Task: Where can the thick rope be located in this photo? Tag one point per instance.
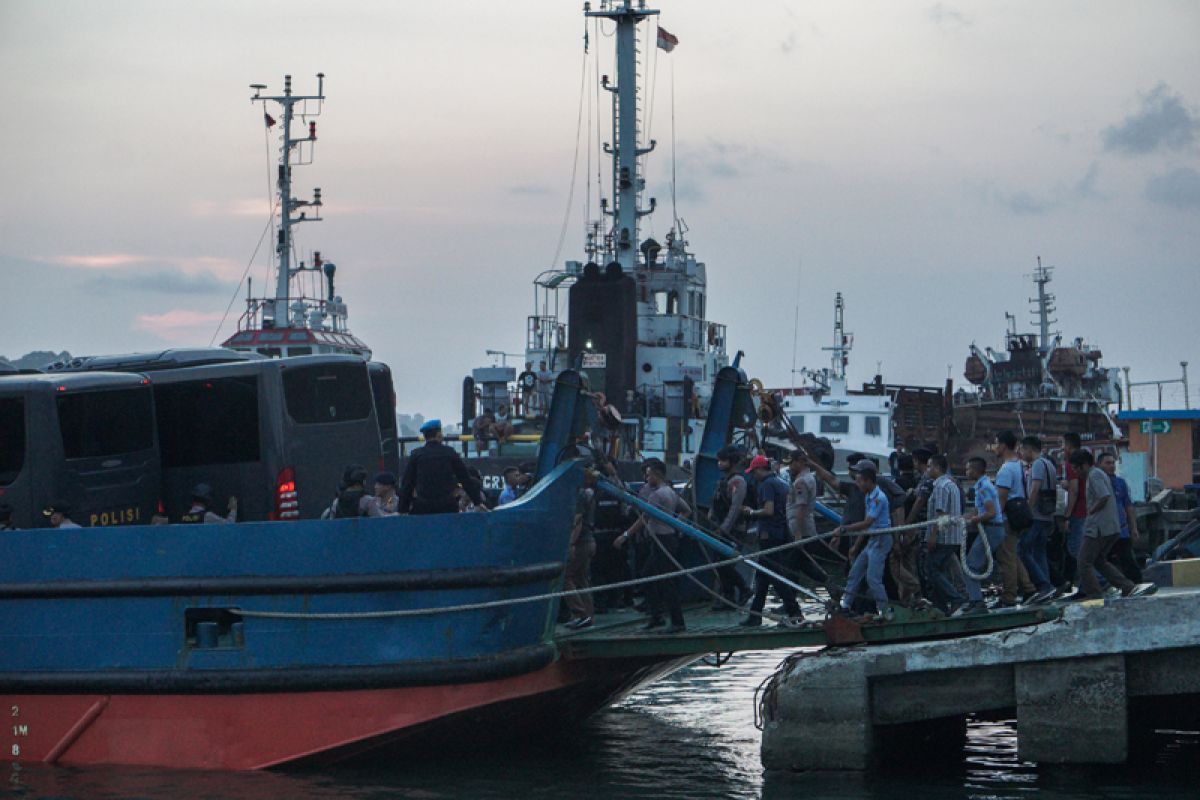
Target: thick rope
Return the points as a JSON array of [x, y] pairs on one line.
[[540, 598]]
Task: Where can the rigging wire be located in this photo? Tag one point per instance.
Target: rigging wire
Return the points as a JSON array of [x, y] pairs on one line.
[[562, 233], [674, 205], [273, 203]]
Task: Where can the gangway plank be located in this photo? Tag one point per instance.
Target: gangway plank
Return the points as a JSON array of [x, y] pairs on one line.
[[622, 635]]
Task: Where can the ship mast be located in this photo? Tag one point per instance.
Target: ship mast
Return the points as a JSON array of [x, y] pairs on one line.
[[842, 342], [627, 184], [1045, 306], [277, 313]]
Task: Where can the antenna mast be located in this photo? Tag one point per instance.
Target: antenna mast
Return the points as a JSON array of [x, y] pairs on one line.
[[278, 311], [627, 184], [1045, 305], [842, 342]]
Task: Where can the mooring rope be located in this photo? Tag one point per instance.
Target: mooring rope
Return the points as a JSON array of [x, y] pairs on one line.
[[941, 522]]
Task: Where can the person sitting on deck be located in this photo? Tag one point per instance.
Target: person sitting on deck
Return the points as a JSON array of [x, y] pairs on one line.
[[202, 499], [59, 515]]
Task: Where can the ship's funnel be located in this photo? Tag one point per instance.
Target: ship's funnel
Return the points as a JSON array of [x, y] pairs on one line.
[[329, 269], [650, 249]]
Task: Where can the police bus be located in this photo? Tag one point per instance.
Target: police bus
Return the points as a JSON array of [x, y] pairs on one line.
[[87, 440]]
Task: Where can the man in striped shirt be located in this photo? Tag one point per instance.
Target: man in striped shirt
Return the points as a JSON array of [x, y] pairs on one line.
[[942, 544]]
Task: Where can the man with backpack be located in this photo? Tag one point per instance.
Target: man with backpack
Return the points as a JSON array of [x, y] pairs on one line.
[[1010, 484], [1042, 495]]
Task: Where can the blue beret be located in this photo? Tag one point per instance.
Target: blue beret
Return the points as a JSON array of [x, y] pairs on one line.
[[431, 425]]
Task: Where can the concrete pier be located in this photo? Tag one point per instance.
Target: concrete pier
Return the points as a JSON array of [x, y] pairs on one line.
[[1073, 685]]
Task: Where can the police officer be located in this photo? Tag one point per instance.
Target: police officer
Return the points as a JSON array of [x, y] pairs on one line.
[[198, 514], [725, 512], [386, 500], [352, 499], [60, 515], [6, 523], [432, 476]]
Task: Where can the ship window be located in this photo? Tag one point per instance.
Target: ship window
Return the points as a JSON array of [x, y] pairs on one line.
[[106, 423], [835, 424], [269, 352], [298, 336], [299, 351], [12, 438], [208, 421], [270, 337], [873, 426], [327, 393], [798, 423]]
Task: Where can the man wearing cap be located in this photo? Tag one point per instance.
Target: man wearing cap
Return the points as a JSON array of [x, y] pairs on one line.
[[869, 557], [725, 511], [59, 515], [202, 498], [772, 532], [352, 499], [432, 476]]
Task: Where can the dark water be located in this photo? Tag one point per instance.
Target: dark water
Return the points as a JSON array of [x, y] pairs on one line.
[[691, 735]]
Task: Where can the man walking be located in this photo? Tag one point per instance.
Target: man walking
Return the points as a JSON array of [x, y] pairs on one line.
[[663, 595], [1102, 527], [802, 525], [942, 545], [583, 549], [1010, 484], [1076, 509], [869, 557], [725, 512], [1042, 496], [771, 515], [1122, 552]]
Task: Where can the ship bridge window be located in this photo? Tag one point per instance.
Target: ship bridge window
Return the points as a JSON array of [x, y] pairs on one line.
[[208, 422], [874, 426], [798, 423], [299, 351], [835, 424], [327, 393], [106, 423], [12, 438]]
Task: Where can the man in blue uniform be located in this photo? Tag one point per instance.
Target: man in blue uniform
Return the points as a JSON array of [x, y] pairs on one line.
[[870, 557], [433, 474]]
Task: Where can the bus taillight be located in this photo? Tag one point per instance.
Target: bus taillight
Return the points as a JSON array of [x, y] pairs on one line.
[[287, 501]]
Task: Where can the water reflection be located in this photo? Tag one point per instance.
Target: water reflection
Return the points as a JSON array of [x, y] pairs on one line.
[[688, 736]]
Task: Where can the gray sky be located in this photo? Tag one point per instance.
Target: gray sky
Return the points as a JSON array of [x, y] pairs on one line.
[[916, 156]]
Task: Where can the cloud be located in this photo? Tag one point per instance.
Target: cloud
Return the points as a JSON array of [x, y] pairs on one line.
[[1026, 203], [724, 160], [161, 281], [788, 44], [528, 189], [1162, 123], [148, 267], [1085, 187], [179, 326], [242, 207], [948, 18], [1179, 188]]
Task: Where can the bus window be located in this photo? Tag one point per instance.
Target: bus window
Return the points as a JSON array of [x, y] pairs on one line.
[[327, 393], [107, 423], [12, 438], [208, 421]]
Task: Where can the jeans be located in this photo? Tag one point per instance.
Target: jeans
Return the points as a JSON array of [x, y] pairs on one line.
[[869, 567], [994, 536], [1032, 550], [937, 571], [1074, 541], [1122, 556], [663, 595], [763, 583]]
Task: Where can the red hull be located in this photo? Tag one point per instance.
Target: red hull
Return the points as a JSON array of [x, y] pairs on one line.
[[257, 731]]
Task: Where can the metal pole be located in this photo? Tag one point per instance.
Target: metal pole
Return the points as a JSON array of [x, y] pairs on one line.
[[690, 531], [1186, 400]]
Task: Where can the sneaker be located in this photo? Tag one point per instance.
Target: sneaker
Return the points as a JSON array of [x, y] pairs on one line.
[[796, 621], [655, 622], [1042, 597], [582, 622], [1077, 597], [977, 607], [750, 622], [1143, 589]]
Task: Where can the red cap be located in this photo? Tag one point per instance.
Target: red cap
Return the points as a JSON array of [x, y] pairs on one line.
[[759, 462]]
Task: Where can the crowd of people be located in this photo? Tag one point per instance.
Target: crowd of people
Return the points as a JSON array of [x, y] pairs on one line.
[[1038, 531]]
